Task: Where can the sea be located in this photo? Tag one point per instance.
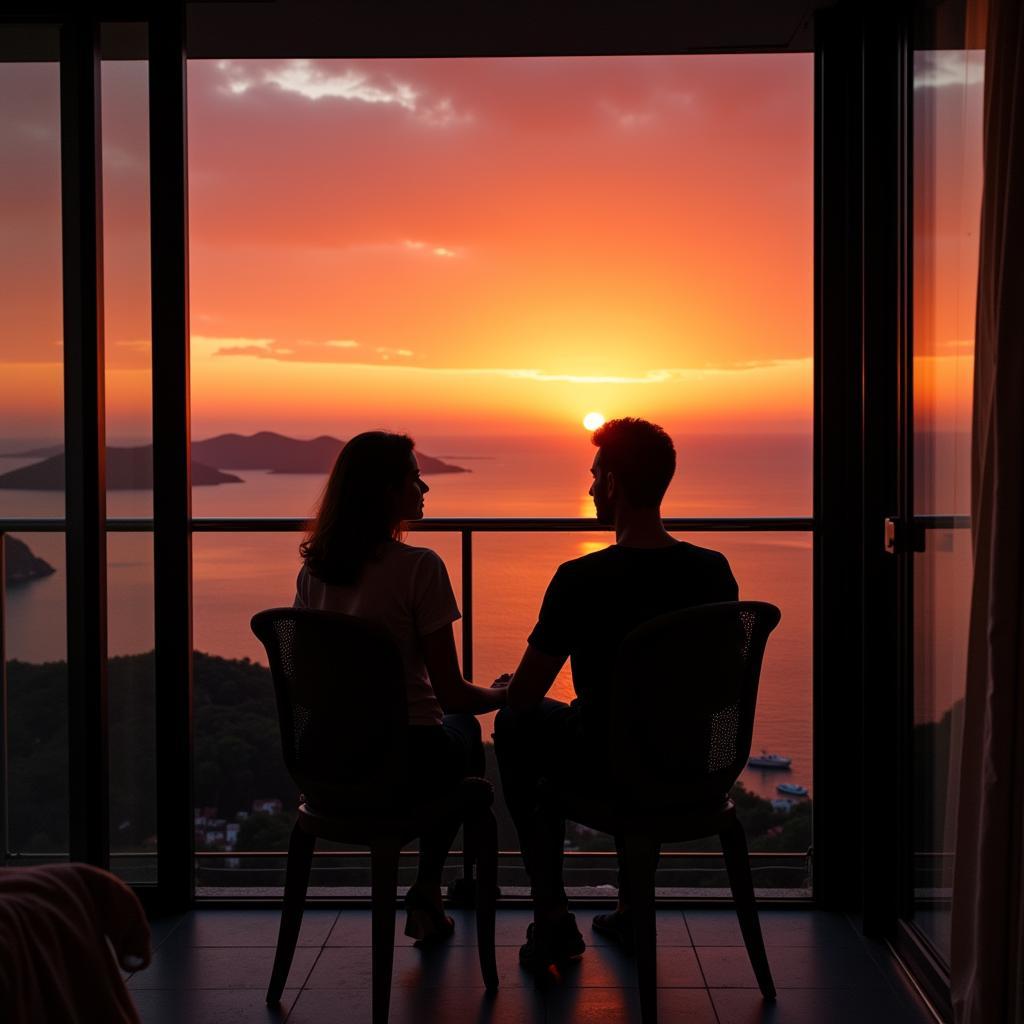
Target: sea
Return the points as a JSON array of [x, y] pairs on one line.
[[238, 574]]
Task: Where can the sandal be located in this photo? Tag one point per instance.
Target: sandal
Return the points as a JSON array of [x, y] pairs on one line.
[[424, 922]]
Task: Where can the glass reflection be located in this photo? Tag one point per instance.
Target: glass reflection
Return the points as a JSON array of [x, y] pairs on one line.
[[948, 95]]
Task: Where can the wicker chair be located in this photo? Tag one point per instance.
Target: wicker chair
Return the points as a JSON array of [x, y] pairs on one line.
[[682, 718], [342, 711]]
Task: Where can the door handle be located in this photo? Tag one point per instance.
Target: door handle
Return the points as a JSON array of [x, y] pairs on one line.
[[902, 536]]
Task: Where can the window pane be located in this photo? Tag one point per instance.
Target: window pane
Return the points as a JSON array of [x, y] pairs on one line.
[[129, 469], [511, 572], [948, 95], [37, 695], [245, 802], [941, 609], [34, 775], [31, 336], [131, 706], [129, 387], [481, 252]]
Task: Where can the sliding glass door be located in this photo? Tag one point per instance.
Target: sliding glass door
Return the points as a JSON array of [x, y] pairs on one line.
[[948, 73]]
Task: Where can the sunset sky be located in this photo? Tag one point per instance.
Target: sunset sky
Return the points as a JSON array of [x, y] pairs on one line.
[[442, 246]]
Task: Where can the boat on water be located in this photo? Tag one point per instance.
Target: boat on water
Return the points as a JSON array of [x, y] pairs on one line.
[[791, 789], [766, 760]]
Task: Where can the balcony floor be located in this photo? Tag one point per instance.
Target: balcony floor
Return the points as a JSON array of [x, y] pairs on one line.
[[212, 967]]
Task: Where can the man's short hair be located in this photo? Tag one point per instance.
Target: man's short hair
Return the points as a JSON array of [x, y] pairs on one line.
[[642, 457]]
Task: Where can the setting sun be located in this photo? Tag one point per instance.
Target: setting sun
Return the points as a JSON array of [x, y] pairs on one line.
[[593, 420]]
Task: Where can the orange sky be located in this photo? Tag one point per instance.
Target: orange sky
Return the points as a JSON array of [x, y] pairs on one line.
[[496, 246]]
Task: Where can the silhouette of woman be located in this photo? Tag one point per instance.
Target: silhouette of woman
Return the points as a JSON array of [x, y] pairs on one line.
[[355, 562]]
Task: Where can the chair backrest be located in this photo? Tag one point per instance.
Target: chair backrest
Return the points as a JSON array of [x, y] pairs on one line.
[[684, 698], [341, 704]]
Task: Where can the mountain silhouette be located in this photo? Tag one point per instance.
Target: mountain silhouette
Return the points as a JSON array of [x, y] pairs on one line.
[[128, 469], [280, 454]]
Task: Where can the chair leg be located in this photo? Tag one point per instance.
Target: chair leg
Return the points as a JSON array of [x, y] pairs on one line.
[[737, 863], [641, 855], [383, 880], [462, 891], [296, 881], [482, 832]]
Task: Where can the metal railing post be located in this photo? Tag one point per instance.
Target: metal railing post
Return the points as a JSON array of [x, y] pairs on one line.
[[467, 603]]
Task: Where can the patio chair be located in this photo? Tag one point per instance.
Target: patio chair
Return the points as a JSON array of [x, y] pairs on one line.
[[341, 706], [682, 718]]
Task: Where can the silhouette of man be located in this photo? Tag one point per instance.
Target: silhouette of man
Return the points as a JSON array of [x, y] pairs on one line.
[[590, 605]]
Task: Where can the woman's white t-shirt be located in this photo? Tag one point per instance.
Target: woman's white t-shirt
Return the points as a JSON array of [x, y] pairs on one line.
[[407, 591]]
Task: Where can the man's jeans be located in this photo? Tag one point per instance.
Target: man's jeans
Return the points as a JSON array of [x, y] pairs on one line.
[[545, 742]]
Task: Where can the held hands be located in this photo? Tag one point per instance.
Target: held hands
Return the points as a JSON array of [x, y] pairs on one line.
[[501, 686]]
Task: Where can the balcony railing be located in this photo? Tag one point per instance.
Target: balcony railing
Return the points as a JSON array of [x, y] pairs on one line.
[[466, 528]]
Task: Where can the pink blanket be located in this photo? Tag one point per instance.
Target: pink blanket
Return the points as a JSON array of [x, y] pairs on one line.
[[55, 963]]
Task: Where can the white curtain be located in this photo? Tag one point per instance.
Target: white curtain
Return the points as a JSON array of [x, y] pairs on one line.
[[988, 890]]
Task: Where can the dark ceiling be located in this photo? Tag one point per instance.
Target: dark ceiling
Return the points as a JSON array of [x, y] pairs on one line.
[[319, 28]]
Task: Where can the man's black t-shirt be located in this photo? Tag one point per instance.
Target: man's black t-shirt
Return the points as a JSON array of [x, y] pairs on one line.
[[592, 603]]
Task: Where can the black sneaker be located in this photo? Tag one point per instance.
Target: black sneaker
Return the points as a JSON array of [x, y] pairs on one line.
[[555, 943], [616, 927]]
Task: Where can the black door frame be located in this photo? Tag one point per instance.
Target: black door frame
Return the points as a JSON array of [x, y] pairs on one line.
[[861, 395]]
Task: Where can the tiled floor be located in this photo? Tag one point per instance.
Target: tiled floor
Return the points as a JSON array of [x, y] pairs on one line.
[[212, 967]]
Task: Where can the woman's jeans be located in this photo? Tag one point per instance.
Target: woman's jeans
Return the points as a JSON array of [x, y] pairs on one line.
[[440, 757]]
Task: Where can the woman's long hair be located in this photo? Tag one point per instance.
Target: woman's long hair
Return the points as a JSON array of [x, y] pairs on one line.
[[359, 508]]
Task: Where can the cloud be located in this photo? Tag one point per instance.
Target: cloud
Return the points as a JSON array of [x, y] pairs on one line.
[[304, 78], [442, 113], [352, 353], [121, 158], [965, 345], [662, 101], [31, 130], [260, 351], [631, 119], [403, 247], [428, 247], [650, 377], [934, 69], [662, 376], [35, 354], [335, 350], [349, 84]]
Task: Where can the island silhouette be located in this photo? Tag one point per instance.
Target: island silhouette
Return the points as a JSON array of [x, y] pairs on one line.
[[132, 468], [277, 453], [128, 469], [20, 565]]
